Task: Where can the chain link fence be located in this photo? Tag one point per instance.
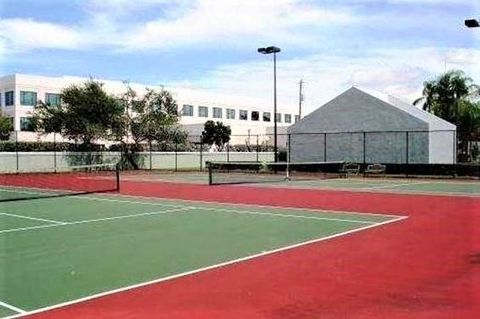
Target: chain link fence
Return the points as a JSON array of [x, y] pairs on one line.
[[386, 147]]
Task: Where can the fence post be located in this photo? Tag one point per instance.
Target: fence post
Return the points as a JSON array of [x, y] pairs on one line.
[[228, 151], [16, 151], [150, 150], [364, 153], [176, 154], [455, 153], [201, 155], [55, 152], [364, 148], [406, 153], [258, 150], [289, 149], [454, 135], [324, 147]]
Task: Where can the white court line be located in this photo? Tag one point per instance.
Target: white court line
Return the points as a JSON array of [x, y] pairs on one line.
[[14, 230], [33, 218], [397, 185], [289, 215], [180, 208], [203, 202], [195, 271], [16, 309]]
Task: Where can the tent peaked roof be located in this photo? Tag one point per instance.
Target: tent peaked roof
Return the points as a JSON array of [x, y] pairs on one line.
[[435, 123]]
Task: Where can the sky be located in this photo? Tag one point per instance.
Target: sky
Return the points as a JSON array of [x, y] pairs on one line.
[[391, 46]]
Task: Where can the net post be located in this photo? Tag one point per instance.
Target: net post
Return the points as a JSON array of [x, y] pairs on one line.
[[117, 176]]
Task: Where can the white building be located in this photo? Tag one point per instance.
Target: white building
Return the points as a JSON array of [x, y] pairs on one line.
[[367, 126], [19, 93]]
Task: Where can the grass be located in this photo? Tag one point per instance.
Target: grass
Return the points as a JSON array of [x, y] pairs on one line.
[[56, 250]]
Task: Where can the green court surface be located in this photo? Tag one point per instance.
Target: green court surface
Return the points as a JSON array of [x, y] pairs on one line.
[[415, 186], [60, 249], [376, 184]]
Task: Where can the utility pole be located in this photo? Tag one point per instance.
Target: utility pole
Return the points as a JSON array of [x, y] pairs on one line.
[[300, 98]]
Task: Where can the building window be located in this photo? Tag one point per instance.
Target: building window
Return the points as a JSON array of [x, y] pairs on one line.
[[217, 112], [187, 110], [52, 99], [297, 118], [288, 118], [9, 98], [26, 124], [28, 98], [243, 115], [255, 116], [278, 117], [266, 116], [203, 111], [230, 114]]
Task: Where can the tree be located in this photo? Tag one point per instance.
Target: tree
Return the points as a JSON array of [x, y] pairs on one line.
[[445, 96], [87, 113], [454, 97], [216, 133], [6, 127], [151, 118]]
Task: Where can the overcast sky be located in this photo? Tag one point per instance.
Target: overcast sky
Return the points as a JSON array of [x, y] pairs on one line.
[[391, 46]]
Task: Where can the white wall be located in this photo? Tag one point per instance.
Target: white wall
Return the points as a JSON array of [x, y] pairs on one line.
[[442, 147]]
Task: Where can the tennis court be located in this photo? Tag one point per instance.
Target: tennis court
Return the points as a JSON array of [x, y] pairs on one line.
[[141, 243], [59, 250], [416, 185]]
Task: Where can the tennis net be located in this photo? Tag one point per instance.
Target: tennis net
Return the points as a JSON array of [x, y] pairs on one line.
[[61, 181], [257, 172]]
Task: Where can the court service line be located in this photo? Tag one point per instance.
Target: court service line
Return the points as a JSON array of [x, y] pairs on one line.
[[33, 218], [287, 215], [16, 309], [397, 185], [214, 203], [198, 270], [93, 220]]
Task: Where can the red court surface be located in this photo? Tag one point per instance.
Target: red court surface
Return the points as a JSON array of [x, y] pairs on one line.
[[427, 266]]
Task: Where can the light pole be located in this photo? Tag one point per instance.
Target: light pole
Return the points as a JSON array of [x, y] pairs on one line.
[[274, 50], [472, 23]]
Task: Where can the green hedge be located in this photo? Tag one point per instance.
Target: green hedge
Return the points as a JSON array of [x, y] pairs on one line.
[[9, 146]]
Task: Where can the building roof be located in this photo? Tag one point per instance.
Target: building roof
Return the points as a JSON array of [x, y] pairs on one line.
[[435, 122], [362, 98]]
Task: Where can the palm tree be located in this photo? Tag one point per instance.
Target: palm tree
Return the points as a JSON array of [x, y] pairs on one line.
[[454, 97], [444, 95]]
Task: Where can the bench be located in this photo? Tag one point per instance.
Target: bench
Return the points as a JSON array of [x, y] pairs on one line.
[[375, 169], [349, 169]]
